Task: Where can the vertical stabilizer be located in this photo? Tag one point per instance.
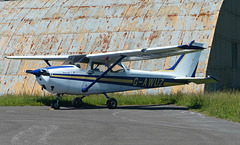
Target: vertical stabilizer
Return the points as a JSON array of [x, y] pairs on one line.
[[187, 64]]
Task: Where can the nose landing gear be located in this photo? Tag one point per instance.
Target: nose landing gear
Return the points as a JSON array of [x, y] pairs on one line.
[[55, 103]]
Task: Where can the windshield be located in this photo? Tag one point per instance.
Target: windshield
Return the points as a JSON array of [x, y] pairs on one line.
[[102, 68]]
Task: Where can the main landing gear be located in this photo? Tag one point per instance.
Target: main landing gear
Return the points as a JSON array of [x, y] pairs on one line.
[[111, 102], [77, 102]]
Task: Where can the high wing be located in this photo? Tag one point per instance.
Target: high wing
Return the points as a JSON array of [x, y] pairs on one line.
[[129, 55], [146, 53]]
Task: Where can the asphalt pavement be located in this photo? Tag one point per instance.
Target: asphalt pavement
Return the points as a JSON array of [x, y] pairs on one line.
[[127, 125]]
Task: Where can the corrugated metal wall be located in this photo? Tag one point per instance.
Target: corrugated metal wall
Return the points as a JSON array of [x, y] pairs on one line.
[[224, 62], [43, 27]]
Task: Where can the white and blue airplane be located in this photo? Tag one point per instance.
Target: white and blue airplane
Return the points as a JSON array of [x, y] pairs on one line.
[[105, 73]]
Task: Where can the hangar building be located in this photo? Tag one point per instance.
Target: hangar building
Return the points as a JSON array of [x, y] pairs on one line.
[[58, 27]]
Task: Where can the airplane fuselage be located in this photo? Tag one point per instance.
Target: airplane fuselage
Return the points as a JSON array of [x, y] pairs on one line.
[[70, 79]]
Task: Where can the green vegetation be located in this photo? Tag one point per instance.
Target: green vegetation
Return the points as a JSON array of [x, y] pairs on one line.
[[225, 104]]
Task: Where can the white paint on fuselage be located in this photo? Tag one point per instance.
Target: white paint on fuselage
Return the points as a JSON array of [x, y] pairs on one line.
[[70, 86]]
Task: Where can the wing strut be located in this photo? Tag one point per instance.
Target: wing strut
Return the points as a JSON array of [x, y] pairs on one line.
[[115, 63], [47, 62]]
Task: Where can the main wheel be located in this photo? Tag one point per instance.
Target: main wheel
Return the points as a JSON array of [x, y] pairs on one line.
[[77, 102], [55, 104], [112, 103]]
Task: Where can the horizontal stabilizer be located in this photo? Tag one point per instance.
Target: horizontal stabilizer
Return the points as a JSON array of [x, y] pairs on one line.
[[198, 80]]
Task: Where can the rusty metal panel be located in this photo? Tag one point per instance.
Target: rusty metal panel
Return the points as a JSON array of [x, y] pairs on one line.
[[55, 27]]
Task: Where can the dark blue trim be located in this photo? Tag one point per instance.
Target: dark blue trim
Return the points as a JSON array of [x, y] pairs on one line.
[[35, 72], [140, 80], [176, 64], [94, 76], [113, 77], [47, 63], [194, 72], [211, 77], [190, 47], [191, 43], [90, 80], [55, 67]]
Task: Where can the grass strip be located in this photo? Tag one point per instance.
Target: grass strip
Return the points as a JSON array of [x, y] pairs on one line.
[[224, 104]]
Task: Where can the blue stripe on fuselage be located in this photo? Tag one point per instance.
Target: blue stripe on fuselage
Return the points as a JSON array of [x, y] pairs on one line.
[[120, 80], [55, 67]]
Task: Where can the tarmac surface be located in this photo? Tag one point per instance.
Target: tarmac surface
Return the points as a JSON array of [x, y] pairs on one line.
[[140, 125]]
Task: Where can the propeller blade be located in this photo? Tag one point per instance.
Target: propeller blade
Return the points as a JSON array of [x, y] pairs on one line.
[[34, 72], [38, 72]]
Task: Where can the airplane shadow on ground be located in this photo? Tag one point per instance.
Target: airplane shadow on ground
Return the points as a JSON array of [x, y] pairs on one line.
[[132, 107], [67, 105]]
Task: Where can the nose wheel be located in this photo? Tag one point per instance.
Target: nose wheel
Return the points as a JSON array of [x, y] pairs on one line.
[[55, 103]]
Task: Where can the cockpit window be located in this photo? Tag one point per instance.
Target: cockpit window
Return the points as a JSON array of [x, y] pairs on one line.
[[118, 68]]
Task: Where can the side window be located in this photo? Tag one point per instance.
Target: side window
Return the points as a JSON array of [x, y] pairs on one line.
[[102, 68], [99, 67], [117, 68], [81, 65]]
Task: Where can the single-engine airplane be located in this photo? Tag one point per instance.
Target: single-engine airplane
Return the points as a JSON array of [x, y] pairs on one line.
[[105, 73]]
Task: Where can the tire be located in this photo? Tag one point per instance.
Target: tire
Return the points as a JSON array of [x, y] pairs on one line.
[[77, 102], [112, 103], [55, 105]]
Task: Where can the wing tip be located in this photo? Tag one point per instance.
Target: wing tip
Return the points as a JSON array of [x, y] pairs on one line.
[[7, 57], [193, 45]]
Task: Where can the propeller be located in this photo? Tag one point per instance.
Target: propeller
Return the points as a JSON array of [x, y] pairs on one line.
[[38, 72]]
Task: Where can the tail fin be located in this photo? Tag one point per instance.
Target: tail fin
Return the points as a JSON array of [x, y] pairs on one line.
[[187, 64]]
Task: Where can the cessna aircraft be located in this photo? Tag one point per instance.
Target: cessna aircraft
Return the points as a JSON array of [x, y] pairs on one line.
[[105, 73]]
